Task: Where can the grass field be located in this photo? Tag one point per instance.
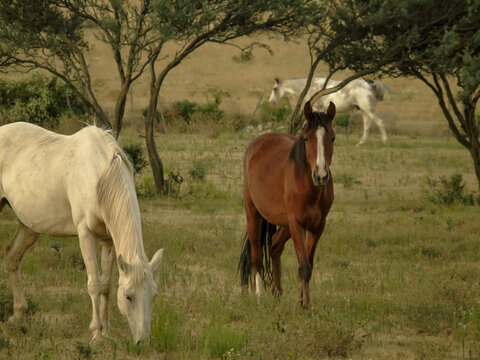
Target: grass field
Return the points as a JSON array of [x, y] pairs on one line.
[[396, 276]]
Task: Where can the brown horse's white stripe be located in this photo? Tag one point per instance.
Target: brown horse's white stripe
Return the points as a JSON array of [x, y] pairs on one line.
[[321, 168]]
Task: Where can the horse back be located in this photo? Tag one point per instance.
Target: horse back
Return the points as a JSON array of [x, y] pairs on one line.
[[48, 179]]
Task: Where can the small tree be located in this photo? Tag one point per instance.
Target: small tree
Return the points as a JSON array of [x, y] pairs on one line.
[[192, 24], [50, 35]]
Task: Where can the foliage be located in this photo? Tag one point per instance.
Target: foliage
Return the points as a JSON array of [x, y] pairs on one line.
[[435, 42], [448, 192], [136, 156], [38, 100]]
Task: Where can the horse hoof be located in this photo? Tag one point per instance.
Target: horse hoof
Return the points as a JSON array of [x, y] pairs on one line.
[[96, 339]]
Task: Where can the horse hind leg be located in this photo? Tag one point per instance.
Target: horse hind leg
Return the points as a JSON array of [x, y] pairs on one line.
[[379, 122], [366, 127], [23, 239], [278, 245]]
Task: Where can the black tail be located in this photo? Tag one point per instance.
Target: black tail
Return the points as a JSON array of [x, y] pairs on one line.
[[245, 263]]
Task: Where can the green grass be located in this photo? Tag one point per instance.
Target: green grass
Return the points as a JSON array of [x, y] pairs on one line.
[[395, 275]]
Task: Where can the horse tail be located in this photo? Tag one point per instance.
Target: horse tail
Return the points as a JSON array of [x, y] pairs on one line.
[[245, 264], [382, 92]]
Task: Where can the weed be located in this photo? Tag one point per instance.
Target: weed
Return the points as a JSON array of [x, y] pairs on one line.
[[85, 352], [347, 180], [173, 183], [448, 192], [198, 170]]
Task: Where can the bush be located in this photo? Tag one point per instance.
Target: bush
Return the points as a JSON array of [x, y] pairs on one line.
[[136, 156], [447, 192], [38, 100], [183, 114]]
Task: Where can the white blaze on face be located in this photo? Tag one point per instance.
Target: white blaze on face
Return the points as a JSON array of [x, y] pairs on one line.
[[321, 168]]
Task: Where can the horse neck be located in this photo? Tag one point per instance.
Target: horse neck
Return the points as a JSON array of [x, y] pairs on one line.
[[118, 201]]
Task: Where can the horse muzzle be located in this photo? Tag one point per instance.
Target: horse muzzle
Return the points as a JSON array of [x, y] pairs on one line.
[[319, 180]]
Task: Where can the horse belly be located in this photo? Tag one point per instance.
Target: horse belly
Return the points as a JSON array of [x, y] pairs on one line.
[[39, 202]]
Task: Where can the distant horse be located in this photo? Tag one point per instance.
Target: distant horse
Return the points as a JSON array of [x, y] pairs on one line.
[[287, 183], [356, 95], [79, 185]]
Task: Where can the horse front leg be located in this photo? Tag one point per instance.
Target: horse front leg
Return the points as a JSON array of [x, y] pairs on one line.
[[23, 239], [94, 284], [108, 259], [304, 268]]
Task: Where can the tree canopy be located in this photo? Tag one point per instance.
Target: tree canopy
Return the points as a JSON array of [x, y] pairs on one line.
[[437, 42]]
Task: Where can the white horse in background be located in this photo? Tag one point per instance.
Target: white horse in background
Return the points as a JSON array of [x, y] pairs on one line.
[[79, 185], [356, 95]]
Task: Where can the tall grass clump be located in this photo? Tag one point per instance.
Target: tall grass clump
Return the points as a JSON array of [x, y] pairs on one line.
[[223, 342], [166, 328]]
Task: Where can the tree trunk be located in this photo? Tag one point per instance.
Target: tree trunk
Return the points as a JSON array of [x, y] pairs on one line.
[[120, 109], [155, 160]]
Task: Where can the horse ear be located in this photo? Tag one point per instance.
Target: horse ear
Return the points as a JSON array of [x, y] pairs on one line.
[[307, 111], [277, 80], [156, 259], [122, 264], [331, 111]]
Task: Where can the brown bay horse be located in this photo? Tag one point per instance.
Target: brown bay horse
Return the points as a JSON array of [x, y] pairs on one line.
[[288, 192]]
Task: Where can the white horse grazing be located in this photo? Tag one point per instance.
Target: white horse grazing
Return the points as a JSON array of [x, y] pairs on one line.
[[79, 185], [356, 95]]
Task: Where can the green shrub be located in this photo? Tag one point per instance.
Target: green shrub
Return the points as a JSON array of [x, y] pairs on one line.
[[276, 115], [190, 112], [448, 192], [38, 100], [137, 158]]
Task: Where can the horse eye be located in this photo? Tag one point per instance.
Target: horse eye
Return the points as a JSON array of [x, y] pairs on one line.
[[305, 139], [333, 140], [129, 298]]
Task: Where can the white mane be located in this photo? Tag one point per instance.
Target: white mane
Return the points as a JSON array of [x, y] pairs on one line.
[[117, 201]]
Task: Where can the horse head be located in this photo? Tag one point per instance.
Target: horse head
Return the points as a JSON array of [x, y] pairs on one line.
[[319, 137], [277, 93], [136, 292]]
